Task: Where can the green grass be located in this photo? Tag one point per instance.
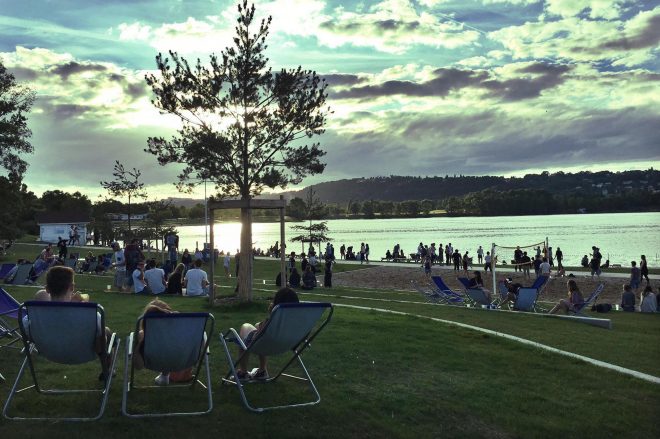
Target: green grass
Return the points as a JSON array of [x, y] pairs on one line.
[[383, 375]]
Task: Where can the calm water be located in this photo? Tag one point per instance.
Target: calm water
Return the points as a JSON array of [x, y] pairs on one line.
[[621, 237]]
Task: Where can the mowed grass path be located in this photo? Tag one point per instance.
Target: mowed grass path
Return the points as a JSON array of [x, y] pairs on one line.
[[383, 375]]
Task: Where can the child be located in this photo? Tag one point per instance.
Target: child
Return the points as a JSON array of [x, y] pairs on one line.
[[248, 333], [635, 276], [628, 299]]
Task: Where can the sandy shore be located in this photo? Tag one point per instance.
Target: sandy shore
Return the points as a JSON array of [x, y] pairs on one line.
[[398, 278]]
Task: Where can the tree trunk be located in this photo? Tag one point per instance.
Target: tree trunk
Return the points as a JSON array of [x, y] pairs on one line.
[[245, 265]]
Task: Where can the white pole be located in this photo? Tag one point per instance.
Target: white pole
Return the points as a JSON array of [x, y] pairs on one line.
[[206, 215]]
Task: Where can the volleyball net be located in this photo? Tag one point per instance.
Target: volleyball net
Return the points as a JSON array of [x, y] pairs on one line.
[[505, 255]]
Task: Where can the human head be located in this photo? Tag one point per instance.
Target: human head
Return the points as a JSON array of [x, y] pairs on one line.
[[157, 306], [648, 289], [627, 287], [179, 268], [198, 263], [633, 263], [572, 286], [285, 295], [59, 282], [477, 275], [545, 259], [140, 265], [643, 257], [151, 264]]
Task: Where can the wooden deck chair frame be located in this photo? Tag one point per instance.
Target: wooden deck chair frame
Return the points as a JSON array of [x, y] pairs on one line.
[[73, 344], [591, 300], [171, 332], [297, 348]]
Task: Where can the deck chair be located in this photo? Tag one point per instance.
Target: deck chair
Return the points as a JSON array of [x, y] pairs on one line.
[[92, 266], [21, 276], [429, 296], [64, 333], [526, 300], [450, 296], [478, 296], [8, 311], [172, 342], [540, 283], [5, 269], [590, 301], [465, 282], [290, 328], [71, 263]]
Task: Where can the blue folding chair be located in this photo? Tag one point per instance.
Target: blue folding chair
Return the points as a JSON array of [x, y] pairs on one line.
[[291, 327], [429, 296], [450, 296], [21, 275], [64, 333], [478, 297], [578, 310], [8, 310], [5, 269], [172, 342], [526, 300]]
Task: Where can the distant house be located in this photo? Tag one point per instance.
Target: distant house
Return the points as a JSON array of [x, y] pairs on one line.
[[57, 224], [124, 216]]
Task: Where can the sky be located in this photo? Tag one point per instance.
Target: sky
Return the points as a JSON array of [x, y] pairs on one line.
[[417, 87]]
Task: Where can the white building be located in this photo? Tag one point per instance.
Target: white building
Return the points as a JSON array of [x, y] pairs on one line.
[[55, 225]]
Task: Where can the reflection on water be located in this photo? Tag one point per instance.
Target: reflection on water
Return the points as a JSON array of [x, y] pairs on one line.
[[621, 237]]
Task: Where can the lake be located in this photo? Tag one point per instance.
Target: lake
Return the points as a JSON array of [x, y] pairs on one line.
[[622, 237]]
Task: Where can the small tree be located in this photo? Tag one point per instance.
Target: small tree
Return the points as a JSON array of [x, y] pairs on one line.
[[126, 183], [15, 102], [243, 125], [313, 209]]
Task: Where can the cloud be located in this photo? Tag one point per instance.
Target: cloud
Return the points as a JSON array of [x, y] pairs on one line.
[[607, 9], [531, 81]]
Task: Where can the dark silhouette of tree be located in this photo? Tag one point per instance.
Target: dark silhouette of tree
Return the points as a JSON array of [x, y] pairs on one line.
[[244, 126], [126, 183], [15, 102], [313, 209]]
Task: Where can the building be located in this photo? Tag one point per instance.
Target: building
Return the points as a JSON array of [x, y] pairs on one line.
[[53, 225]]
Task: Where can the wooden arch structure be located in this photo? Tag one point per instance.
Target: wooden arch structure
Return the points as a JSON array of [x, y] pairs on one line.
[[243, 204]]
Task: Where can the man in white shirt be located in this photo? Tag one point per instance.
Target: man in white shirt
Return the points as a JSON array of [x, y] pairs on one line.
[[139, 284], [155, 278], [545, 267], [196, 281]]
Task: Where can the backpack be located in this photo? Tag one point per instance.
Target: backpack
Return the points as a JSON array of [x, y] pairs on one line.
[[602, 307]]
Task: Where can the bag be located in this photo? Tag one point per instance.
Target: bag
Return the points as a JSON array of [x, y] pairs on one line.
[[602, 307]]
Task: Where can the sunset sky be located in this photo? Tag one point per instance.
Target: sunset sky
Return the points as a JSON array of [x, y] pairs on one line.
[[422, 87]]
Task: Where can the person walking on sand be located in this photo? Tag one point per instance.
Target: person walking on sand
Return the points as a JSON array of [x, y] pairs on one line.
[[644, 270], [480, 255]]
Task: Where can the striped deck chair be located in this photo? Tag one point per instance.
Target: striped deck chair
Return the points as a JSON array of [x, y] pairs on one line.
[[64, 333], [526, 300], [591, 300], [172, 342], [451, 296], [290, 329]]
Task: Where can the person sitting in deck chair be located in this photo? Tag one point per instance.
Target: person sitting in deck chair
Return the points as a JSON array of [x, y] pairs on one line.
[[249, 331], [477, 282], [575, 299], [512, 291], [60, 288]]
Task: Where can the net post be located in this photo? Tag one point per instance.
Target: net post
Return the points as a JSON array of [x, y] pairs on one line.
[[492, 267]]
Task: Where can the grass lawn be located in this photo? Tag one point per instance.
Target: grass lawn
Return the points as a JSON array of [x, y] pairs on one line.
[[383, 375]]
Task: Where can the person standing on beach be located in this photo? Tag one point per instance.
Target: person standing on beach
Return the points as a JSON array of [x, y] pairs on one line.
[[449, 251], [480, 254], [466, 262], [487, 265], [559, 256], [342, 251], [635, 276], [226, 263], [644, 269], [366, 253], [457, 260]]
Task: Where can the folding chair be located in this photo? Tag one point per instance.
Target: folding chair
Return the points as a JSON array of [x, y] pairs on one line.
[[172, 342], [478, 296], [9, 310], [577, 310], [5, 269], [450, 296], [540, 283], [71, 263], [465, 282], [65, 333], [526, 300], [291, 327], [429, 296], [21, 275]]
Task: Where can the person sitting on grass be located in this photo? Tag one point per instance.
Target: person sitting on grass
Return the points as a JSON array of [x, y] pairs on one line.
[[196, 280], [628, 299], [248, 333], [294, 278], [60, 288], [155, 278], [139, 283], [100, 268], [175, 281], [575, 299], [648, 301], [309, 279]]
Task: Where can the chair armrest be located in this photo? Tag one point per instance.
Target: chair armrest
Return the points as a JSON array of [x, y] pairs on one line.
[[129, 343], [232, 335], [111, 343]]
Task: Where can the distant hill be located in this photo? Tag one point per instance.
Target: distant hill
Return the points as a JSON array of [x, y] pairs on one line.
[[402, 188], [184, 202]]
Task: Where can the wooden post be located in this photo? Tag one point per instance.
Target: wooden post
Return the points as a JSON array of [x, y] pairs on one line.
[[212, 270]]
